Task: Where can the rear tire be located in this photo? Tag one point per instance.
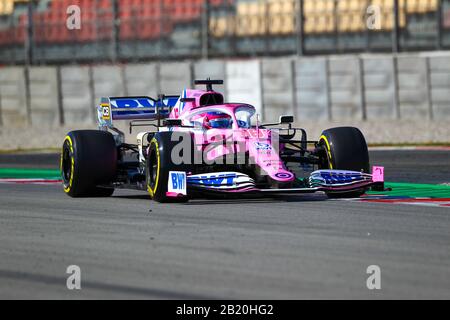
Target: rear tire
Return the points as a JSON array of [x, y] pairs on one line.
[[159, 164], [88, 163], [345, 149]]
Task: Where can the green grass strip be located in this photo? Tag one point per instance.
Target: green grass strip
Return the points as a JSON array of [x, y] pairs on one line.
[[12, 173], [415, 190]]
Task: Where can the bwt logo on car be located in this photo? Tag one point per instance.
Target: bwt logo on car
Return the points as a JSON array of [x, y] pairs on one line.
[[178, 181], [214, 180], [133, 103], [263, 146], [340, 177]]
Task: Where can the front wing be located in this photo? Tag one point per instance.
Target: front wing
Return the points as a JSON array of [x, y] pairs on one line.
[[329, 181]]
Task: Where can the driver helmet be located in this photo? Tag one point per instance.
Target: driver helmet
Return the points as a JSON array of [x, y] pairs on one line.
[[217, 120]]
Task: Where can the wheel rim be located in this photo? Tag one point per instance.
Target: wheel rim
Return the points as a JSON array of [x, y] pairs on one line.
[[153, 168], [66, 164], [325, 163]]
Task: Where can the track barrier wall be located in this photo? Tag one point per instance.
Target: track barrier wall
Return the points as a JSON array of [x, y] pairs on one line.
[[77, 95], [243, 80], [44, 89], [439, 69], [364, 90], [13, 97], [379, 88], [312, 99]]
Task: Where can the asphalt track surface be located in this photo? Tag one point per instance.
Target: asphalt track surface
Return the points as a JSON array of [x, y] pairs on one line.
[[279, 248]]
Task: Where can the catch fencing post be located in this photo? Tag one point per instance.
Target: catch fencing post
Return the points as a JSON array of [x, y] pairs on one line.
[[439, 25], [294, 89], [29, 34], [60, 99], [429, 89], [366, 28], [205, 30], [396, 87], [26, 71], [328, 87], [395, 30], [1, 118], [92, 90], [300, 29], [337, 43], [115, 31], [362, 88]]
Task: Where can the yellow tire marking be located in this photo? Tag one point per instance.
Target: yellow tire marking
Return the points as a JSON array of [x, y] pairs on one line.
[[69, 187], [150, 190], [328, 150]]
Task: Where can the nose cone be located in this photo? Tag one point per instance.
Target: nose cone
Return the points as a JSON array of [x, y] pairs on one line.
[[266, 156]]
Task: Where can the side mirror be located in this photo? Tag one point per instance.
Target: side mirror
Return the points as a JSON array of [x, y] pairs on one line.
[[286, 119]]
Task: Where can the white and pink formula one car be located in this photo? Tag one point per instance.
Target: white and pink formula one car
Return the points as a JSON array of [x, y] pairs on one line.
[[200, 146]]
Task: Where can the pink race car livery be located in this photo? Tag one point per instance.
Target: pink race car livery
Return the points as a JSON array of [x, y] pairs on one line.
[[196, 145]]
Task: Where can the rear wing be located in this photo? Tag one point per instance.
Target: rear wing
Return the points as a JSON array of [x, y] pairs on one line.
[[134, 108]]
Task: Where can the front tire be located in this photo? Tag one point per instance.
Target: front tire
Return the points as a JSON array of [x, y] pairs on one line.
[[160, 163], [88, 163], [345, 148]]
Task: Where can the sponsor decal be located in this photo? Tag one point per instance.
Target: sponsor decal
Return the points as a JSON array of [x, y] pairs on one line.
[[330, 177], [253, 133], [132, 103], [222, 181], [177, 182], [262, 146], [242, 124], [284, 175], [106, 113], [213, 180], [378, 174]]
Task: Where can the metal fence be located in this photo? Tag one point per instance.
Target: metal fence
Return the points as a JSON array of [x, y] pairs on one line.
[[46, 32]]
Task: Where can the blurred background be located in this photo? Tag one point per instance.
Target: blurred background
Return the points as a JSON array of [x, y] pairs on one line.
[[381, 65], [135, 30]]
